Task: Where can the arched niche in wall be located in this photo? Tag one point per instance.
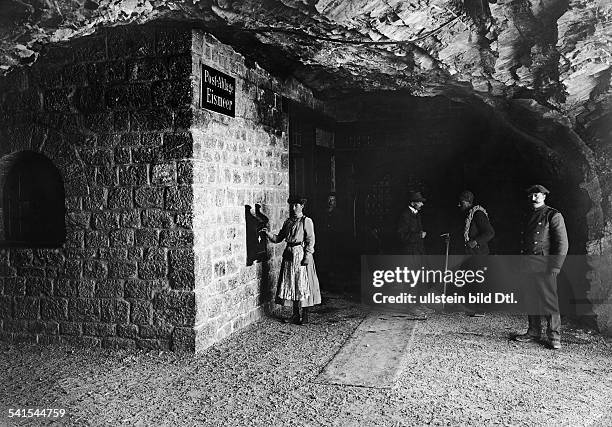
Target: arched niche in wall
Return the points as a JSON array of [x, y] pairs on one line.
[[32, 202]]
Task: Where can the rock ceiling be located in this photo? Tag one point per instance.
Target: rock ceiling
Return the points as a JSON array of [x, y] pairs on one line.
[[556, 52]]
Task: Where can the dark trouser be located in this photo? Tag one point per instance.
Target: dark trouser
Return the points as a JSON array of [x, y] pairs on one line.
[[545, 305]]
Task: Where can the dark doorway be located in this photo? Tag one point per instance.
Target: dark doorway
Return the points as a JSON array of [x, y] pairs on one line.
[[33, 202]]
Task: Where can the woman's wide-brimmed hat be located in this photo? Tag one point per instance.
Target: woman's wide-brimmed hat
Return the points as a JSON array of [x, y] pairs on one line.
[[297, 198]]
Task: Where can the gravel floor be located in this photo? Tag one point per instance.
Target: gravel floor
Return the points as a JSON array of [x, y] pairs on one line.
[[458, 371]]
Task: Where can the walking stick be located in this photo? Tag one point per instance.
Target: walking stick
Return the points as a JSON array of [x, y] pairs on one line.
[[446, 237]]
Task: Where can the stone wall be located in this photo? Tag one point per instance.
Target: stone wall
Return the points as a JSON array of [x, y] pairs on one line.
[[155, 191], [238, 161], [110, 111]]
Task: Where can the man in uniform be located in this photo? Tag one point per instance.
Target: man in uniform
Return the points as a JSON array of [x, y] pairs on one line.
[[544, 246]]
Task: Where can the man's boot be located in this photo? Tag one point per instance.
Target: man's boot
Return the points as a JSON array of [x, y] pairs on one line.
[[534, 331]]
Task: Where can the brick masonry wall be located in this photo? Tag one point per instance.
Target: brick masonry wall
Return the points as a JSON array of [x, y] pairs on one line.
[[111, 111], [238, 161]]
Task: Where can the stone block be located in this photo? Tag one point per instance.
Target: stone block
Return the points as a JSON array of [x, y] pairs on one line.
[[22, 257], [99, 329], [57, 99], [147, 154], [123, 155], [184, 220], [120, 121], [68, 328], [149, 197], [65, 288], [179, 198], [130, 175], [116, 343], [153, 344], [127, 331], [105, 220], [151, 120], [183, 340], [163, 174], [122, 238], [95, 73], [147, 69], [128, 96], [40, 327], [120, 198], [95, 269], [179, 67], [131, 42], [157, 218], [110, 289], [15, 325], [26, 308], [113, 254], [115, 311], [174, 94], [95, 200], [78, 220], [37, 287], [178, 146], [6, 307], [121, 269], [84, 310], [176, 238], [54, 309], [14, 286], [156, 331], [129, 219], [152, 270], [184, 172], [72, 269], [81, 341], [31, 272], [141, 312], [89, 98], [173, 41], [96, 239], [86, 288], [175, 307], [139, 289], [182, 269], [146, 237], [97, 122]]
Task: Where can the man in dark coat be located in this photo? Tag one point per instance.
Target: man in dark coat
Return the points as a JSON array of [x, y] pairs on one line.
[[477, 230], [410, 233], [410, 228], [476, 234], [544, 246]]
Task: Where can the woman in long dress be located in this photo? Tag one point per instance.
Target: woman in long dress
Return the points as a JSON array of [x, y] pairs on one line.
[[297, 283]]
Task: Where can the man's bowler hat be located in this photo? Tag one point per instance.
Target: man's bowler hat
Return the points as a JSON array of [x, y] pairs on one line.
[[415, 196]]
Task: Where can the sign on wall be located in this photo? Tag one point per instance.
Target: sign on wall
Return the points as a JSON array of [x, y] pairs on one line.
[[218, 91]]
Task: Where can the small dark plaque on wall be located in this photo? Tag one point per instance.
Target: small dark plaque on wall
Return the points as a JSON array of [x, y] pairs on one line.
[[218, 91]]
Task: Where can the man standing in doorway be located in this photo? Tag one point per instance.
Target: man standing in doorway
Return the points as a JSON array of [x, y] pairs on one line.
[[410, 228], [544, 246], [411, 237], [332, 243]]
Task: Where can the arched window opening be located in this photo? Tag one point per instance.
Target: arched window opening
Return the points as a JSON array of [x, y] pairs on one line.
[[33, 203]]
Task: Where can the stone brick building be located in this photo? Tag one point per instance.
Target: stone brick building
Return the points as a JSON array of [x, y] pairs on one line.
[[149, 248]]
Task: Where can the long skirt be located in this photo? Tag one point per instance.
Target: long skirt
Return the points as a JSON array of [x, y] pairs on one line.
[[297, 282]]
